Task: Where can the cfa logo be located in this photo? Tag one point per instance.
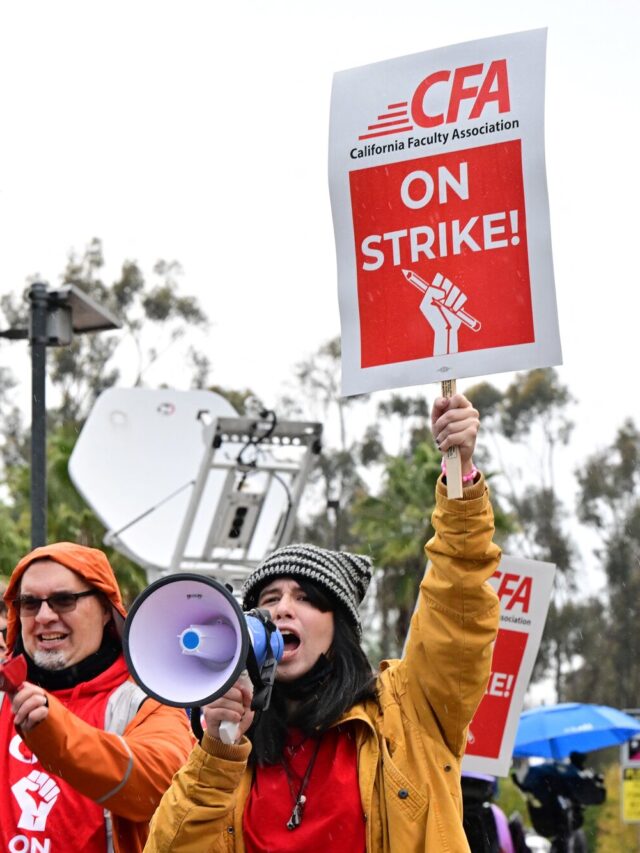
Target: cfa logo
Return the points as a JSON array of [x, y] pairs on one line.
[[472, 83], [513, 591]]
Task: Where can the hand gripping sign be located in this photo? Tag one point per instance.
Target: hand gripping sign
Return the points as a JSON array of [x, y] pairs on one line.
[[440, 211]]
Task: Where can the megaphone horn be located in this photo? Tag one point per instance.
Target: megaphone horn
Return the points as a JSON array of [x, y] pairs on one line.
[[186, 640]]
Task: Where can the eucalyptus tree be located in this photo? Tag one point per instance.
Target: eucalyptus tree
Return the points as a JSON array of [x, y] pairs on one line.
[[337, 477], [157, 319], [609, 502], [393, 525], [531, 417]]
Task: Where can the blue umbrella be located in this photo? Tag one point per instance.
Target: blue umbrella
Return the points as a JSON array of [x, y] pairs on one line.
[[553, 731]]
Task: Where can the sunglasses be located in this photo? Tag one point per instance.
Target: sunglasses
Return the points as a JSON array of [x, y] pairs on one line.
[[59, 602]]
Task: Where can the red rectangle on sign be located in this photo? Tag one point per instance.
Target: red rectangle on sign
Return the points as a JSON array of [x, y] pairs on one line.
[[487, 727], [441, 255]]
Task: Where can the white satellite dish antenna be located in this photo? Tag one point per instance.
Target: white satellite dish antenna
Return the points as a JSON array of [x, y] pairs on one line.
[[135, 460], [182, 483]]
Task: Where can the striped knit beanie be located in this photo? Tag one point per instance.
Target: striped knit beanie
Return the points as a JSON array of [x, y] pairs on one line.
[[343, 575]]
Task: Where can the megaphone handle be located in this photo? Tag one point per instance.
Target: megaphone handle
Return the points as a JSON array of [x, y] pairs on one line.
[[228, 731], [195, 715]]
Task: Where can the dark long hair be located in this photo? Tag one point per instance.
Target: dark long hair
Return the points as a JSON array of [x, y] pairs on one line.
[[335, 683]]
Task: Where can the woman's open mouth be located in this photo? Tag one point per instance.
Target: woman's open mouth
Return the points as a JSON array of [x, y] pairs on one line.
[[291, 643]]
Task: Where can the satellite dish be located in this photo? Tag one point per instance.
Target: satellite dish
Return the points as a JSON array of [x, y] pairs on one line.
[[135, 463]]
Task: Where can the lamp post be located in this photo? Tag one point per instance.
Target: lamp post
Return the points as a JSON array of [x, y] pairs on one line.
[[54, 317], [38, 315]]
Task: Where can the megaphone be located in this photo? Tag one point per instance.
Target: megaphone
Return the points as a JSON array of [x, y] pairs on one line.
[[186, 641]]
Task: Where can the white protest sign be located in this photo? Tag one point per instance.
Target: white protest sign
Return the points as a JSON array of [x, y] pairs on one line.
[[440, 211], [524, 588]]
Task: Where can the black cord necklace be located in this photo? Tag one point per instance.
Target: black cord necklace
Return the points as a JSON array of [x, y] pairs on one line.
[[299, 799]]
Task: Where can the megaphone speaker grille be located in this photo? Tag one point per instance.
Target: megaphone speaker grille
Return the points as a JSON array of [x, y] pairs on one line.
[[152, 645]]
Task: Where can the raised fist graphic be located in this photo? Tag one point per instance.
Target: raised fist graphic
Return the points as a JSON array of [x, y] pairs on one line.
[[36, 795]]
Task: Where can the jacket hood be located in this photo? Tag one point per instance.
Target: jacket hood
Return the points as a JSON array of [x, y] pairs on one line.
[[90, 563]]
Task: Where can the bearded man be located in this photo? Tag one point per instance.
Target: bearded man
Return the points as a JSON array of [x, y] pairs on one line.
[[85, 755]]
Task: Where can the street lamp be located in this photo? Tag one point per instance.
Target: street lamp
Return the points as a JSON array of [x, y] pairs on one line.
[[54, 317]]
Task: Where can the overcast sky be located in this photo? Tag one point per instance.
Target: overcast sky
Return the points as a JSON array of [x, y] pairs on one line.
[[197, 131]]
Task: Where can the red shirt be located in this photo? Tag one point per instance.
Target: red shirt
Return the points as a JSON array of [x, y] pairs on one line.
[[332, 817]]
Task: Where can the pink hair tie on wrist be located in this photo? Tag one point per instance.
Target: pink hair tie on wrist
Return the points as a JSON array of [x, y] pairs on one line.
[[467, 478]]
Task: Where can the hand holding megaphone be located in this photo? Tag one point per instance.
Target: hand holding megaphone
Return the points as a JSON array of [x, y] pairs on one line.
[[229, 717]]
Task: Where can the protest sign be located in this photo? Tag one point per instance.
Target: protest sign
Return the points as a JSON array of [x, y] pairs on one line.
[[524, 589], [630, 768], [440, 211], [631, 794]]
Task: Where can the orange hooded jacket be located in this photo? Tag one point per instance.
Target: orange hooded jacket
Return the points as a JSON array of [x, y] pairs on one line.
[[127, 774]]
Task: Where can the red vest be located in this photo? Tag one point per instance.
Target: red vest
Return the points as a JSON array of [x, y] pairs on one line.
[[38, 810]]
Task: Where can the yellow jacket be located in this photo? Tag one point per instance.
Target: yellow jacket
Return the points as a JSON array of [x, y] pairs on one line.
[[411, 741]]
